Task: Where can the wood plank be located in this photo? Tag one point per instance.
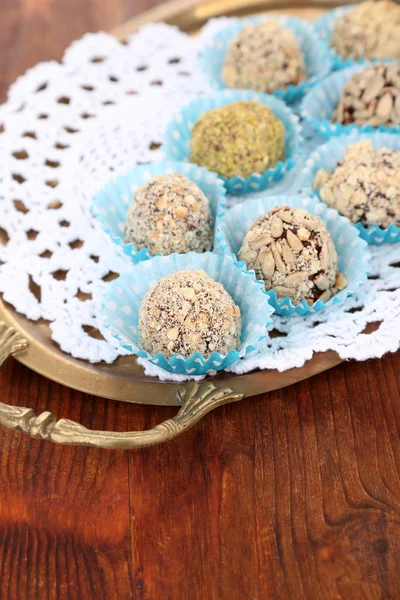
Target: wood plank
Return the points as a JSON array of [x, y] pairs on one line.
[[64, 512], [291, 496], [10, 28]]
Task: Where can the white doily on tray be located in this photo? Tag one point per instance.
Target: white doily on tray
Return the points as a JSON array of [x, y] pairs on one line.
[[66, 130]]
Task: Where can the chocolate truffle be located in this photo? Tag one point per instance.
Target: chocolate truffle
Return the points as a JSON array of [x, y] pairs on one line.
[[264, 57], [370, 30], [169, 214], [293, 252], [371, 97], [189, 312], [238, 139], [365, 186]]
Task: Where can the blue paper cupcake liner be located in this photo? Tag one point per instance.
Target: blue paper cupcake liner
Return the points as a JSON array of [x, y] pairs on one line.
[[316, 56], [121, 305], [324, 26], [327, 157], [110, 206], [351, 250], [318, 106], [177, 138]]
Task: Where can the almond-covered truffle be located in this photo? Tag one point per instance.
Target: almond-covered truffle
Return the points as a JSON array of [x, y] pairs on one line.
[[365, 186], [169, 214], [264, 57], [241, 138], [293, 252], [189, 312], [370, 30], [371, 97]]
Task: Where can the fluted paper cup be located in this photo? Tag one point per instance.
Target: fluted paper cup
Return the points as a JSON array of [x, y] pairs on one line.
[[327, 157], [110, 206], [318, 106], [178, 135], [351, 250], [324, 27], [121, 306], [317, 57]]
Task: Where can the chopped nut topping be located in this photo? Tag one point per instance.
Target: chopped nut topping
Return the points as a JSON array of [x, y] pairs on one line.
[[276, 226], [173, 333], [325, 296], [304, 269], [341, 281], [169, 214], [370, 30], [181, 212], [264, 57], [365, 186], [194, 205], [189, 312], [371, 96], [261, 241], [294, 241]]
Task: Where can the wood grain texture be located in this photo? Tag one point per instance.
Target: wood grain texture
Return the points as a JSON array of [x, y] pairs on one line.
[[291, 495]]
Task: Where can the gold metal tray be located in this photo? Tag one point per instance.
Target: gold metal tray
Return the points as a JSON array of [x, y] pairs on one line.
[[124, 380]]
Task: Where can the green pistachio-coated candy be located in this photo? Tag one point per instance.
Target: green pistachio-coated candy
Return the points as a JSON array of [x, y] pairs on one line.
[[240, 138]]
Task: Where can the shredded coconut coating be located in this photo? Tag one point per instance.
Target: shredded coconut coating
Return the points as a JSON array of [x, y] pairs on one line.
[[370, 30], [371, 97], [264, 57], [365, 186], [189, 312], [293, 252], [238, 139], [169, 214]]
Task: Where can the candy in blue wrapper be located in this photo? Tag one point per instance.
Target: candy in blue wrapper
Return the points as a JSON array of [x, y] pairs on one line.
[[351, 250], [110, 206], [360, 32], [327, 157], [122, 302], [318, 106], [317, 58], [177, 141], [324, 28]]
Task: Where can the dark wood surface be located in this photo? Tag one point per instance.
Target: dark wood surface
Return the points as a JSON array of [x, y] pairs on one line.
[[291, 495]]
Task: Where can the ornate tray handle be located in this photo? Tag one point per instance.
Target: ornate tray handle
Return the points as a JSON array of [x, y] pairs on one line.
[[196, 399]]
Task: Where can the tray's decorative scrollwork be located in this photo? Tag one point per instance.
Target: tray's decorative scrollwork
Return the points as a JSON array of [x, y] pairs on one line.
[[196, 399]]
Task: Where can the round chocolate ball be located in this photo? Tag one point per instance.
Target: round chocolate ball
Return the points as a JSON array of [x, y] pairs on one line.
[[189, 312], [370, 30], [241, 138], [371, 97], [264, 57], [169, 214], [293, 252], [365, 186]]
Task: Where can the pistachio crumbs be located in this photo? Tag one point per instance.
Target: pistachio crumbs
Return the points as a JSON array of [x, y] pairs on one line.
[[240, 138]]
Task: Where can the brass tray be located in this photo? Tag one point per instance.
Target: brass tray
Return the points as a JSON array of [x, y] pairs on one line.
[[124, 380]]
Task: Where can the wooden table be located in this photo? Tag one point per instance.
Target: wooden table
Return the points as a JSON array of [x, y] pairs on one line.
[[291, 495]]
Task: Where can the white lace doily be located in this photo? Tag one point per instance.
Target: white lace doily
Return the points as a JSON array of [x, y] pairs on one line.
[[67, 129]]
